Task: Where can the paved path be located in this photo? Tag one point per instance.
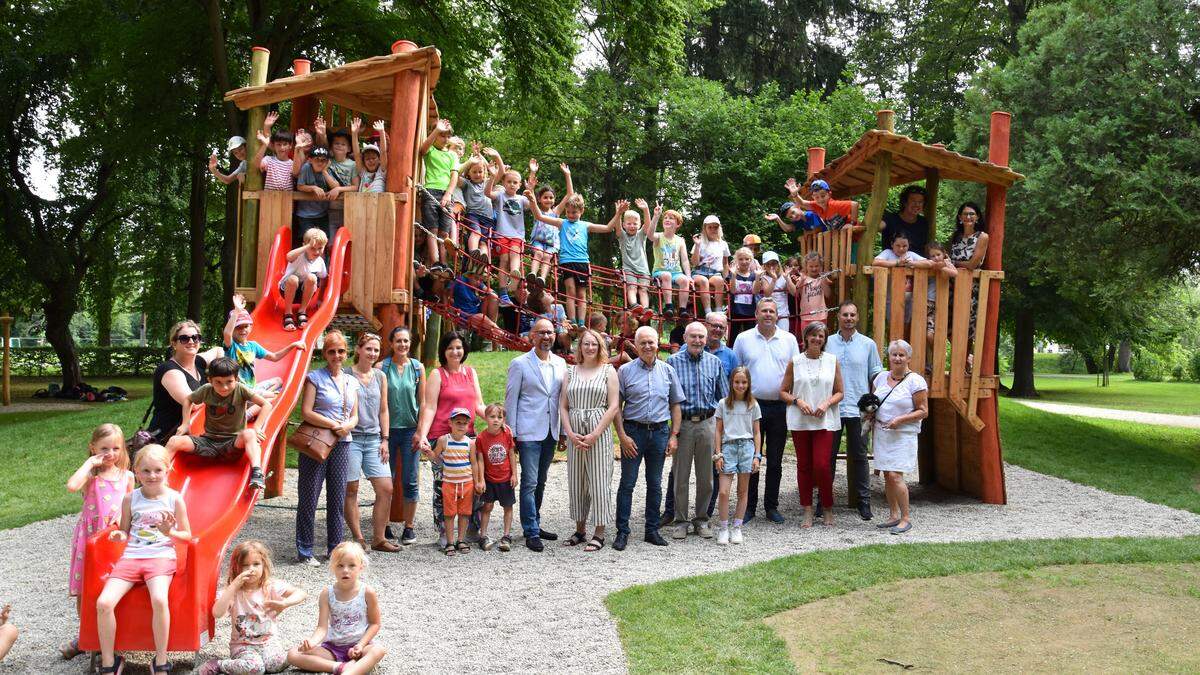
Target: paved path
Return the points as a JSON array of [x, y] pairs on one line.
[[526, 612], [1161, 419]]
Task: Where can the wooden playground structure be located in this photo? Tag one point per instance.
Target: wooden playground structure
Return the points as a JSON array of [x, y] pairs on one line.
[[960, 444]]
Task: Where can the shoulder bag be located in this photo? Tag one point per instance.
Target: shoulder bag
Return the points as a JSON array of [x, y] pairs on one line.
[[316, 442]]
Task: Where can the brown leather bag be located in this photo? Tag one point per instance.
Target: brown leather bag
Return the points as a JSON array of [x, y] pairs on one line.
[[313, 441]]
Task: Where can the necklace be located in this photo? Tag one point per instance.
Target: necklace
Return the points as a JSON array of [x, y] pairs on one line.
[[812, 369]]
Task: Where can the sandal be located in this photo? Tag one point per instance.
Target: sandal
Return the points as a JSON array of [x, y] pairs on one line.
[[594, 545], [157, 668], [289, 322], [302, 319], [463, 547], [576, 539], [449, 550], [116, 668], [69, 650]]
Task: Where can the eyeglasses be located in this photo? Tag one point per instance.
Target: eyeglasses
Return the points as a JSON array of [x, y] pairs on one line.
[[339, 352], [188, 338]]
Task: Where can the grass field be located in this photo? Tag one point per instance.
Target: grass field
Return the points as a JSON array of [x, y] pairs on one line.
[[716, 622], [1176, 398]]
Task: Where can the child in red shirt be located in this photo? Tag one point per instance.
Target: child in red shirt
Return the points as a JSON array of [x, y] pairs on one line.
[[498, 479]]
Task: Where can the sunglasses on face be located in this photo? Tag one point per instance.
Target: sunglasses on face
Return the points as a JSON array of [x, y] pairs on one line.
[[339, 352], [188, 338]]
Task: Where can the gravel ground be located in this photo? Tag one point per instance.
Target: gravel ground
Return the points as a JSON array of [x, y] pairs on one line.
[[1161, 419], [525, 612]]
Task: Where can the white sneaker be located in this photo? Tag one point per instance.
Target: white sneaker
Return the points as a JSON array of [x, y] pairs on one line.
[[723, 536], [736, 537]]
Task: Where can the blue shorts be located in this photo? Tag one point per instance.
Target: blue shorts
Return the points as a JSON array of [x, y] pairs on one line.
[[364, 458], [675, 276], [481, 225], [738, 454], [706, 272], [543, 246]]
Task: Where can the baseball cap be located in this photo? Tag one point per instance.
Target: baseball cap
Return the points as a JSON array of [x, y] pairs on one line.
[[243, 318], [770, 256], [711, 219], [234, 143], [751, 239], [371, 147], [319, 152], [818, 185], [457, 412]]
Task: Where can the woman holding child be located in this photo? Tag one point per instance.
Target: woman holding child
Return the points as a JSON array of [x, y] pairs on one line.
[[177, 377], [369, 445], [330, 401], [405, 388], [453, 385]]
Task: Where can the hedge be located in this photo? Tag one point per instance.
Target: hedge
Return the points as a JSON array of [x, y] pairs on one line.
[[93, 361]]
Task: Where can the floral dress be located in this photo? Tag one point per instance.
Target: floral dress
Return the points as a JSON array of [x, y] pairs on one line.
[[960, 252], [101, 508]]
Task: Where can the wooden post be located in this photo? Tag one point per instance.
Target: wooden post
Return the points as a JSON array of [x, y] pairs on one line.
[[277, 465], [247, 265], [405, 133], [879, 193], [304, 109], [6, 322], [991, 466], [933, 179], [816, 161]]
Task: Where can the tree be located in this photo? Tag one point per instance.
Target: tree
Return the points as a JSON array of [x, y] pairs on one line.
[[1106, 105]]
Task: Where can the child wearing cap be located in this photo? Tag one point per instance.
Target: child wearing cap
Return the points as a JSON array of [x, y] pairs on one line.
[[317, 180], [342, 167], [710, 264], [753, 244], [244, 351], [779, 286], [370, 159], [459, 468], [236, 147]]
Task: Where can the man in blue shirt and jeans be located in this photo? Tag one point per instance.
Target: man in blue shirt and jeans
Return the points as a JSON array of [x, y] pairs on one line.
[[858, 356], [648, 427]]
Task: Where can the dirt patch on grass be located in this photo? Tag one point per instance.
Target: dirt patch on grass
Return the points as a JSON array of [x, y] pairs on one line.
[[41, 405], [1075, 618]]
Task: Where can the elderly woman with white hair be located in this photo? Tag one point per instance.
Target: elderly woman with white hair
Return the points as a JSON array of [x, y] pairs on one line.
[[904, 403]]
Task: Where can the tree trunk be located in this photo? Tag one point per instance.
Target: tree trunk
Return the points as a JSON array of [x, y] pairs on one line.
[[59, 307], [1089, 363], [1110, 357], [1125, 357], [229, 241], [197, 224], [1023, 339]]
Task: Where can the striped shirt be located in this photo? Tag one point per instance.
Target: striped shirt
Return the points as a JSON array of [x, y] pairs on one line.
[[277, 173], [702, 378], [456, 460]]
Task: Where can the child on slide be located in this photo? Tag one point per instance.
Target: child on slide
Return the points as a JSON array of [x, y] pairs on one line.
[[304, 271], [243, 350], [225, 433], [104, 479]]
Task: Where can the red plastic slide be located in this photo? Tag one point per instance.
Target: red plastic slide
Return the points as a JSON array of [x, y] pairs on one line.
[[218, 501]]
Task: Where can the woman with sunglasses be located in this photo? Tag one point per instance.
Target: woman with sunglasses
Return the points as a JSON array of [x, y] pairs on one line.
[[176, 378], [329, 401]]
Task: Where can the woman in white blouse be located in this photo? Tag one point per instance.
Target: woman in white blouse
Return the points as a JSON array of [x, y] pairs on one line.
[[905, 399], [812, 389]]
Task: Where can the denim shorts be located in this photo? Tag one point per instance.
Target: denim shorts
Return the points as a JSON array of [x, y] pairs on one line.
[[543, 246], [675, 275], [706, 272], [364, 458], [481, 225], [738, 454]]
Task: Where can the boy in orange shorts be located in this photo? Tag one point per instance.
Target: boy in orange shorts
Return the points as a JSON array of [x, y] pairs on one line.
[[457, 453]]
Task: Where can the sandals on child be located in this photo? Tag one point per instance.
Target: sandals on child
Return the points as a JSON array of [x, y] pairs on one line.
[[463, 547], [302, 319], [289, 322], [449, 550], [116, 668]]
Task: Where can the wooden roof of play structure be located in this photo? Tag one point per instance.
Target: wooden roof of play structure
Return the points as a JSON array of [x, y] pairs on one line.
[[852, 173], [364, 86]]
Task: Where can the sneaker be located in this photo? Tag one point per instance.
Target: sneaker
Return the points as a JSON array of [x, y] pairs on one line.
[[505, 301], [210, 667], [681, 531], [505, 543], [408, 536], [308, 561], [257, 480], [486, 543], [704, 530], [669, 311], [736, 536], [723, 536]]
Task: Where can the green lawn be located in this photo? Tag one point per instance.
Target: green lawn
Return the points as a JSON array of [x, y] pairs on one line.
[[714, 622], [1177, 398], [1158, 464]]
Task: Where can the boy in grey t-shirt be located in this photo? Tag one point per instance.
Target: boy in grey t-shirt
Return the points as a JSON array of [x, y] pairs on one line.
[[632, 233]]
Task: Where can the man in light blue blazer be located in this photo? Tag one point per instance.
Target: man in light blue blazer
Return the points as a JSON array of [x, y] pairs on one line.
[[531, 401]]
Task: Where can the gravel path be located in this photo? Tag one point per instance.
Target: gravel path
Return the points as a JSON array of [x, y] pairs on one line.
[[1161, 419], [526, 612]]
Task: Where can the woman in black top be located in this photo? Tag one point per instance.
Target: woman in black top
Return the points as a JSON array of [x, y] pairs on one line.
[[178, 377]]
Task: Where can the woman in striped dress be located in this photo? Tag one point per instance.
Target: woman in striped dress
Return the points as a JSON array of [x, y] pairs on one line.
[[587, 407]]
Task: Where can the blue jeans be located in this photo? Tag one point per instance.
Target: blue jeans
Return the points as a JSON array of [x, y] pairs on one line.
[[652, 447], [400, 449], [535, 464]]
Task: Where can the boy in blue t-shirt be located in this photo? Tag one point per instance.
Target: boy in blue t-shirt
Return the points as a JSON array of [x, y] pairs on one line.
[[574, 263], [244, 351], [474, 298]]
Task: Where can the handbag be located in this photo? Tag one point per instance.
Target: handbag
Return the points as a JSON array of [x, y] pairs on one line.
[[316, 442], [143, 436], [869, 403]]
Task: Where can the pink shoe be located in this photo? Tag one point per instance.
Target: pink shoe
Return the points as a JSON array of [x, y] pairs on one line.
[[210, 667]]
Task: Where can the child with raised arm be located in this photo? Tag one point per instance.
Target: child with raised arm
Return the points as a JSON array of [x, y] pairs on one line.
[[253, 600], [544, 239], [815, 291], [631, 239], [738, 439], [710, 264], [370, 160], [741, 292], [477, 183], [342, 168], [305, 268], [226, 435], [440, 177], [237, 147], [510, 208], [574, 266], [773, 282], [459, 465], [105, 479], [279, 170], [244, 351], [153, 518], [347, 623], [495, 474], [315, 179], [671, 267]]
